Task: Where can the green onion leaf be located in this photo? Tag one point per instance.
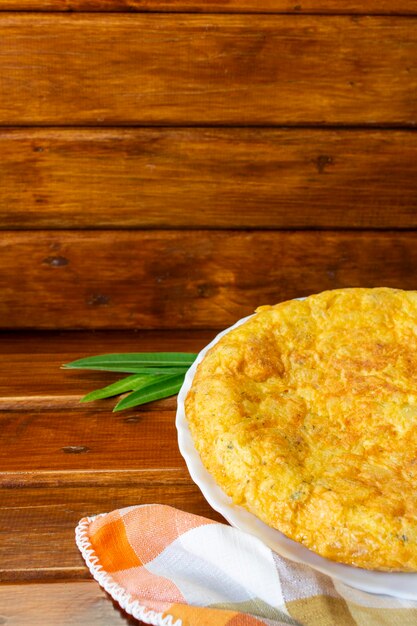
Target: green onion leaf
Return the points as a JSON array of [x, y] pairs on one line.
[[133, 362], [165, 386]]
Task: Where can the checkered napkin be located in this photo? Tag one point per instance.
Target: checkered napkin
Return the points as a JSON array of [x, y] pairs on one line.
[[170, 568]]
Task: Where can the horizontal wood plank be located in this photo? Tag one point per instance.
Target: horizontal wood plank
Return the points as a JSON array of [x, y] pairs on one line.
[[379, 7], [57, 466], [213, 69], [71, 441], [41, 383], [37, 525], [69, 603], [207, 178], [185, 279]]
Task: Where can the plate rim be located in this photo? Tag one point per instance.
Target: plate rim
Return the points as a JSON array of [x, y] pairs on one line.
[[395, 584]]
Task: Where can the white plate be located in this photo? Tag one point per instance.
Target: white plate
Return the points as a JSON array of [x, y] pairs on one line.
[[400, 585]]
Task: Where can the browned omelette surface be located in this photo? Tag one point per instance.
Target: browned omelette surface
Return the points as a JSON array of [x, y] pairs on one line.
[[306, 415]]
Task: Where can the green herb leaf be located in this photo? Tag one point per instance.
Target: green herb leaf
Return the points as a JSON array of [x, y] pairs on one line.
[[161, 370], [165, 386], [130, 383], [133, 362]]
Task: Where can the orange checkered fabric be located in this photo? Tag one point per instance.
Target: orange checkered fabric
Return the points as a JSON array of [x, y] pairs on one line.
[[170, 568]]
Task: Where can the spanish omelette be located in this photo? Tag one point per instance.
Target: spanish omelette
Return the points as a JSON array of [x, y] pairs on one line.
[[306, 415]]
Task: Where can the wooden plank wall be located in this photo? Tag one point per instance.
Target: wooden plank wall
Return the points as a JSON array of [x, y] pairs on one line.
[[176, 164], [349, 7]]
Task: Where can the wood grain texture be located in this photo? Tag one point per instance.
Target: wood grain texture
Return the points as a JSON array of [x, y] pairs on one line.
[[213, 69], [41, 384], [81, 603], [58, 465], [38, 524], [87, 440], [189, 279], [379, 7], [207, 178]]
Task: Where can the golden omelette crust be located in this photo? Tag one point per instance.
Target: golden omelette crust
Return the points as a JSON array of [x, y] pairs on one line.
[[306, 415]]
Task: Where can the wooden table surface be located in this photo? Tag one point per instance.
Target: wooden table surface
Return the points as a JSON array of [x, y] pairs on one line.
[[61, 460]]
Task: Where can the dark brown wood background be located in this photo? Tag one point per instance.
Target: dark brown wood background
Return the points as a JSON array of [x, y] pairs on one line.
[[166, 166], [176, 164]]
